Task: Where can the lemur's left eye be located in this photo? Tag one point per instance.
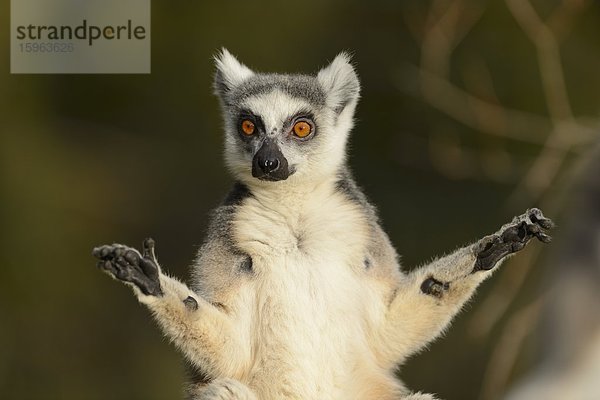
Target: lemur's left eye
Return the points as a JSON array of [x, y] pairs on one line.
[[247, 127], [302, 129]]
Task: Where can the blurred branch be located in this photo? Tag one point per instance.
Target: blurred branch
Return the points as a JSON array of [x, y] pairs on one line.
[[549, 58], [507, 350], [444, 32], [476, 113], [558, 134], [497, 302], [548, 163], [563, 16], [495, 305], [445, 27]]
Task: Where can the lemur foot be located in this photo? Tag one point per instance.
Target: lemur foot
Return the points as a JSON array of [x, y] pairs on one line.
[[511, 238], [128, 265], [419, 396], [225, 389]]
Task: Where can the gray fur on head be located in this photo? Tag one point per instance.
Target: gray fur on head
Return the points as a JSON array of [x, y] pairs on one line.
[[328, 98], [336, 85]]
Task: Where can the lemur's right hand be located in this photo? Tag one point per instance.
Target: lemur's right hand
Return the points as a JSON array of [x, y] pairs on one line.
[[128, 265], [511, 238]]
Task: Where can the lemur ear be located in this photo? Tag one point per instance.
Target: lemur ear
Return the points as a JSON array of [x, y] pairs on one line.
[[340, 82], [230, 73]]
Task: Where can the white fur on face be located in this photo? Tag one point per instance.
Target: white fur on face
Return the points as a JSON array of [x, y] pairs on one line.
[[275, 108], [332, 97], [313, 160]]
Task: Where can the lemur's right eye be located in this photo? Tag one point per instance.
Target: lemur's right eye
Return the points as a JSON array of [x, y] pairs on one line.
[[247, 127]]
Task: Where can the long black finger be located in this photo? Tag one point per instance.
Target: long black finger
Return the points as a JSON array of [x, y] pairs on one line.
[[148, 248], [537, 217]]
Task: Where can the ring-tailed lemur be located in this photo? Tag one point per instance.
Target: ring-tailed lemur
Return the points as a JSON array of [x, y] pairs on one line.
[[298, 293]]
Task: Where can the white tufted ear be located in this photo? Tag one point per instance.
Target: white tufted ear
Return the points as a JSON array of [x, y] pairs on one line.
[[230, 72], [340, 82]]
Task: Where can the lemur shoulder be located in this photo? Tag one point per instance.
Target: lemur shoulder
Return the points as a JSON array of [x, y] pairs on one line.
[[297, 293]]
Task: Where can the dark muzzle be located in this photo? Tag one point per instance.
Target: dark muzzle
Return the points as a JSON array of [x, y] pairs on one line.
[[269, 164]]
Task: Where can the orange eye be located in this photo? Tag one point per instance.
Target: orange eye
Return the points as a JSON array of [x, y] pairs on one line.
[[247, 127], [302, 129]]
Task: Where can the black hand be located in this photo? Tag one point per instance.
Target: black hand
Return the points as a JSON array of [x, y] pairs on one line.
[[128, 265], [511, 238]]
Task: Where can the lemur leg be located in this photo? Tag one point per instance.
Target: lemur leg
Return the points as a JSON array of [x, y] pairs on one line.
[[200, 330], [419, 396], [223, 389], [430, 296]]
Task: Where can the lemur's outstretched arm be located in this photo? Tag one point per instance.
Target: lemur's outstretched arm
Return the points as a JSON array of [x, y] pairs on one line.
[[430, 296], [200, 330]]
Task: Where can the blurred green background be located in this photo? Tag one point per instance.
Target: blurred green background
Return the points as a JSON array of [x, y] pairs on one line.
[[471, 112]]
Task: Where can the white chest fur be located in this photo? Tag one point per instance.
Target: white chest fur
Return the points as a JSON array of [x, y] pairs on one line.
[[320, 226], [309, 293]]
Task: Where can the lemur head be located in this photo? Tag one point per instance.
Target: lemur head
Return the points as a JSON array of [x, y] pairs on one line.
[[284, 127]]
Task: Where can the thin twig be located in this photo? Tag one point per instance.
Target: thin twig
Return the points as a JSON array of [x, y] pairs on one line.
[[496, 303], [507, 350], [548, 52], [546, 166], [559, 135], [476, 113]]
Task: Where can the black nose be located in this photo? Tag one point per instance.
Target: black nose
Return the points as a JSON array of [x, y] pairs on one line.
[[270, 165]]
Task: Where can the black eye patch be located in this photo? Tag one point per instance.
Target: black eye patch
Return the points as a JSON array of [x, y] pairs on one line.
[[255, 119]]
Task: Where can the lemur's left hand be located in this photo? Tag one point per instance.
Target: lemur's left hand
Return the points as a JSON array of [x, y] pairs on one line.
[[511, 238], [128, 265]]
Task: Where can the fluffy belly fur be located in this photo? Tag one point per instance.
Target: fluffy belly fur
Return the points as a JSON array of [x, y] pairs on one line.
[[308, 328], [310, 304]]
